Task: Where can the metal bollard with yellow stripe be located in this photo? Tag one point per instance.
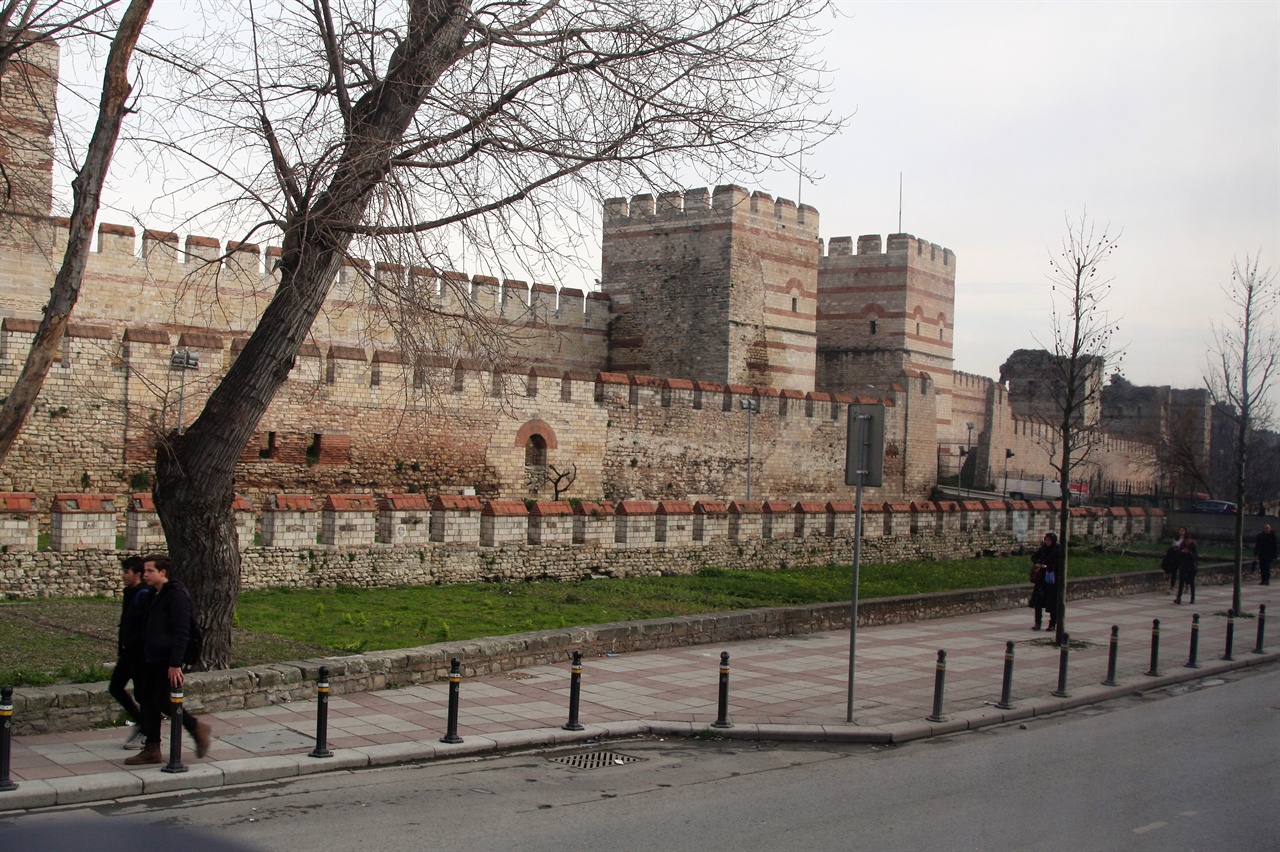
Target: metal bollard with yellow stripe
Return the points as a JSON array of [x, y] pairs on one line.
[[322, 715], [6, 737], [175, 733], [455, 688]]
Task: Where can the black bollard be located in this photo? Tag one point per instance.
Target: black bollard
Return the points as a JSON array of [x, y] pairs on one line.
[[1231, 635], [575, 693], [939, 683], [1006, 686], [1192, 662], [455, 688], [722, 712], [1154, 671], [322, 715], [6, 737], [175, 733], [1111, 656], [1061, 691], [1262, 624]]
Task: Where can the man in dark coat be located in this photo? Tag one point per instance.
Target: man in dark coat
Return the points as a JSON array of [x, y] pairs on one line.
[[1264, 550], [168, 629], [134, 598]]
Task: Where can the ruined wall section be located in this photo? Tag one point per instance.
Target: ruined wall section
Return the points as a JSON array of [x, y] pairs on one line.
[[1034, 379], [883, 314], [716, 287]]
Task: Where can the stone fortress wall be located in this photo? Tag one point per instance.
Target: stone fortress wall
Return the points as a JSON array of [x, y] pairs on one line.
[[707, 300]]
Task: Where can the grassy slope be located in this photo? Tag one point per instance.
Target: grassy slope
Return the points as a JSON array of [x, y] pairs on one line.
[[44, 641]]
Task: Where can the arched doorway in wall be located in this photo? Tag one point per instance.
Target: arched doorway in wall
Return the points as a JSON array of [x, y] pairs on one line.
[[537, 439]]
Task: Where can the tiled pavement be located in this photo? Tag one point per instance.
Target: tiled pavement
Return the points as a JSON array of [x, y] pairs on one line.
[[792, 687]]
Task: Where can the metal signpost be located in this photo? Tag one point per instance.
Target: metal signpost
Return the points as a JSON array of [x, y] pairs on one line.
[[863, 465], [752, 407]]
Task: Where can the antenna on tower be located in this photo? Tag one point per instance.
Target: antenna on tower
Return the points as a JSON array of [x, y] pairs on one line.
[[800, 179], [899, 202]]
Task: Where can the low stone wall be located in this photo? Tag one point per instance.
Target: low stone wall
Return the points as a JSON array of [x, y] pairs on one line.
[[82, 706], [84, 573]]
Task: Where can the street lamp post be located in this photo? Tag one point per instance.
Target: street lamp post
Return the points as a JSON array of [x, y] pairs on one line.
[[1008, 454], [752, 407], [969, 426], [183, 360]]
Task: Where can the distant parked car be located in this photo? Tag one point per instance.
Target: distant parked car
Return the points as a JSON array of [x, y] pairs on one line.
[[1212, 507]]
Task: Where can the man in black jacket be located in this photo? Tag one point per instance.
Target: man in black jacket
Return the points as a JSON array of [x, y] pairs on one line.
[[1264, 550], [167, 631], [133, 614]]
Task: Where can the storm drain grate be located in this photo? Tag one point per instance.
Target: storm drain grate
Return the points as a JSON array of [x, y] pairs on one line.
[[595, 759]]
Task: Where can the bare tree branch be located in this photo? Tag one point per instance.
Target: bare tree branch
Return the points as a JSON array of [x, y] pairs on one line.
[[1243, 364], [1082, 333]]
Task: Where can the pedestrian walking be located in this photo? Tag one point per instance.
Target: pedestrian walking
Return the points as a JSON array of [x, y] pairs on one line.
[[1188, 561], [134, 597], [1045, 563], [1264, 550], [166, 635], [1169, 565]]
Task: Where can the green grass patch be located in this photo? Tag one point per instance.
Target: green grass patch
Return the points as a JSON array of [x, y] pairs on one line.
[[356, 619], [51, 641]]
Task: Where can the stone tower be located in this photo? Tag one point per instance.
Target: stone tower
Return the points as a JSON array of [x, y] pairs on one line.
[[883, 315], [28, 97], [719, 288]]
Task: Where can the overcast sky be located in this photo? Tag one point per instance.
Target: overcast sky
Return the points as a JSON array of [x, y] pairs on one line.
[[1005, 118], [1162, 118]]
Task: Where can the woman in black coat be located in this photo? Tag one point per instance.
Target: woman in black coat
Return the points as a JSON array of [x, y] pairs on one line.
[[1044, 591]]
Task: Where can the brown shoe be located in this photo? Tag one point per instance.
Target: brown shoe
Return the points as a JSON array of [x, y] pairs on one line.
[[202, 736], [150, 754]]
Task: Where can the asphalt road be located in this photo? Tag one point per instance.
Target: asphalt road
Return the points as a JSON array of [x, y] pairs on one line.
[[1193, 767]]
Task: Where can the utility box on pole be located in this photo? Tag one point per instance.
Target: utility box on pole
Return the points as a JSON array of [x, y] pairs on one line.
[[864, 450]]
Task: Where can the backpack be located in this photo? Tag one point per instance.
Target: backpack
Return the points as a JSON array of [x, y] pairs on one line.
[[195, 644]]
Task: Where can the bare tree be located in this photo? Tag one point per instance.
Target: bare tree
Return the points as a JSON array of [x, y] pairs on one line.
[[1244, 361], [1082, 333], [402, 130], [27, 27], [561, 480]]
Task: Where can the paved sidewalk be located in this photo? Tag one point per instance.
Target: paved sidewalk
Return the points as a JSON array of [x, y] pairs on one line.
[[786, 688]]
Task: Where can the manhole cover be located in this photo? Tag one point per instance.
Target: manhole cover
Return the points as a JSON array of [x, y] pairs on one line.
[[595, 759]]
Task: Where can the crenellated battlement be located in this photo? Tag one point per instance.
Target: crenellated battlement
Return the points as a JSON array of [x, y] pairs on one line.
[[163, 278], [899, 246], [726, 203]]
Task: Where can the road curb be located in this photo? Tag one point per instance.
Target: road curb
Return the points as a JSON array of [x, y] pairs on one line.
[[125, 785]]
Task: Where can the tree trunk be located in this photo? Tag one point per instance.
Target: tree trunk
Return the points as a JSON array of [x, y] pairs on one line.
[[195, 471], [1064, 527], [199, 527], [1242, 457]]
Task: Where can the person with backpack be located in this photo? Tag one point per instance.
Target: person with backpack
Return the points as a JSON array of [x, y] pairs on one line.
[[167, 636]]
